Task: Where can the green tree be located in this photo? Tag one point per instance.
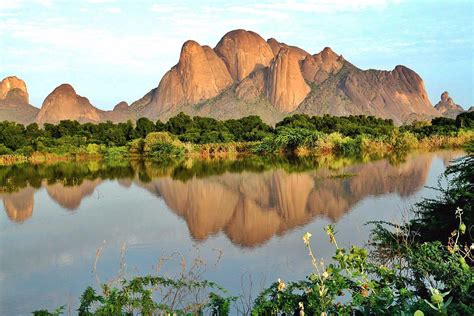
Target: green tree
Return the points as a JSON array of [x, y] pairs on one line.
[[144, 127]]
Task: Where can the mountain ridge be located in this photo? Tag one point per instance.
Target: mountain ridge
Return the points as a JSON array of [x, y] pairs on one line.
[[242, 75]]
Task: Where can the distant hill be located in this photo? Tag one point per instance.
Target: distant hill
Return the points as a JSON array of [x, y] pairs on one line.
[[447, 107], [14, 101]]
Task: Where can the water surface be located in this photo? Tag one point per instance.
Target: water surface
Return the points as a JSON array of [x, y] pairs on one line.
[[244, 219]]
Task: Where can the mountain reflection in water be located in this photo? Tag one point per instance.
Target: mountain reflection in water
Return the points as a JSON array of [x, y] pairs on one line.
[[249, 201]]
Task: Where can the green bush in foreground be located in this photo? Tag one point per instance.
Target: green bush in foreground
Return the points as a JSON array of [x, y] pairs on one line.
[[435, 280]]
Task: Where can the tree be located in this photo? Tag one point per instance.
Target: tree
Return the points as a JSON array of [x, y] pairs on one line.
[[179, 124], [144, 127]]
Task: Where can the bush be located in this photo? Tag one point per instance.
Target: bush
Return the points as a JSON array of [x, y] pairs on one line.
[[25, 151], [162, 145], [117, 153], [135, 147], [404, 141], [93, 149], [4, 150]]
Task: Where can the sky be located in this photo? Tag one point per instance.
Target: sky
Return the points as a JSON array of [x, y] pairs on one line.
[[114, 50]]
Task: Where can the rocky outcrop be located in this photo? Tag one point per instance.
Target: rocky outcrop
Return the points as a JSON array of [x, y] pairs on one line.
[[199, 75], [286, 87], [121, 106], [64, 104], [12, 83], [399, 95], [272, 79], [252, 87], [14, 101], [246, 75], [276, 46], [447, 107], [317, 68], [243, 52]]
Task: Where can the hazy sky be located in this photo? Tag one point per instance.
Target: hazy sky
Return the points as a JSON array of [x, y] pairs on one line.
[[114, 50]]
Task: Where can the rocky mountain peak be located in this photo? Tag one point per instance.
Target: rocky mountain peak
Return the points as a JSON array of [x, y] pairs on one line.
[[286, 87], [243, 52], [199, 75], [447, 107], [14, 83], [317, 68], [121, 106], [65, 104], [276, 46]]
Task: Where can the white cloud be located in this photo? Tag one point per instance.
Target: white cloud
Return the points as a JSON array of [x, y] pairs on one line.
[[166, 8], [45, 3], [325, 6], [10, 5], [86, 45], [100, 1], [114, 10]]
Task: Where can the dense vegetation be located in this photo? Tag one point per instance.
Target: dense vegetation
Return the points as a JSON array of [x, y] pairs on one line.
[[181, 135], [412, 269]]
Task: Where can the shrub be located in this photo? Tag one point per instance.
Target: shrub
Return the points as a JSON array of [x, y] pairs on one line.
[[135, 147], [162, 145], [116, 153], [93, 149], [404, 141], [4, 150], [288, 138], [25, 151]]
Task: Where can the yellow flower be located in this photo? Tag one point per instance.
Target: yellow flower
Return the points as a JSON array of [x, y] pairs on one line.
[[281, 285], [322, 290], [325, 275], [306, 238]]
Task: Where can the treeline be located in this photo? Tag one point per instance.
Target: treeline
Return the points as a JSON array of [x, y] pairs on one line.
[[293, 132]]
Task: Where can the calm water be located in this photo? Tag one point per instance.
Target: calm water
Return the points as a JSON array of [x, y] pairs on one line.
[[244, 219]]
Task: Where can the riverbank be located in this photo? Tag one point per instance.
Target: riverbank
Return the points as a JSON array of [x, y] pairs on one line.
[[206, 138], [164, 146]]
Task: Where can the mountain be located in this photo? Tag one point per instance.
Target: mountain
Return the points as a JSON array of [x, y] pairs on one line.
[[65, 104], [14, 101], [447, 107], [243, 75], [273, 79]]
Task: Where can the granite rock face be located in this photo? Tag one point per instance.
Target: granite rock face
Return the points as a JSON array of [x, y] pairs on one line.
[[65, 104], [246, 75], [199, 75], [14, 101], [243, 52], [447, 107], [15, 85], [286, 87], [272, 79], [319, 67]]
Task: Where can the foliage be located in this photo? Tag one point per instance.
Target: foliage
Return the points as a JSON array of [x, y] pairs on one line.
[[162, 145], [431, 222], [353, 284], [298, 134], [137, 296]]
